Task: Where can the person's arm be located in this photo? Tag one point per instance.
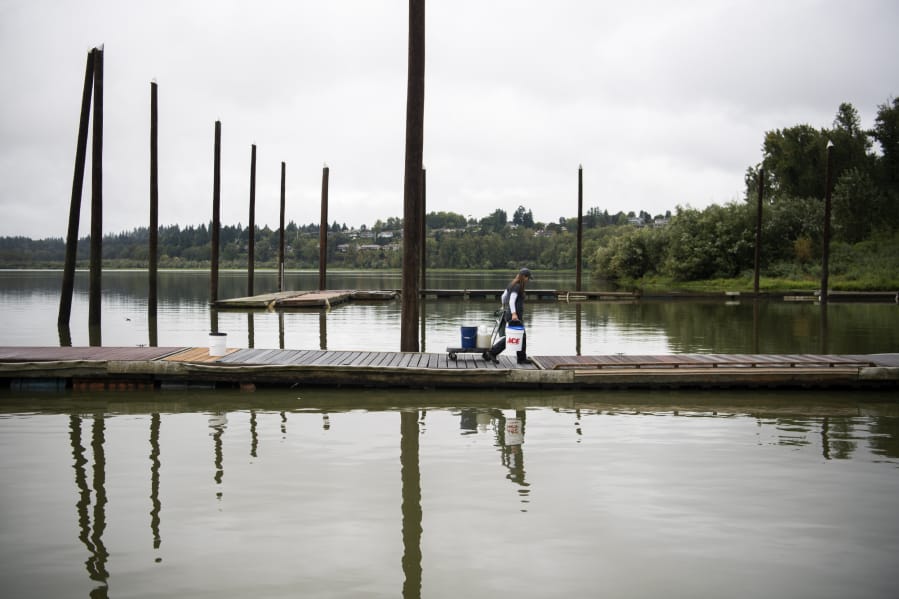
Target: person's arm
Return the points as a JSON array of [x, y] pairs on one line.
[[513, 300]]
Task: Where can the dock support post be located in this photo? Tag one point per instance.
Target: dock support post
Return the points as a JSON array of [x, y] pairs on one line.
[[424, 229], [68, 274], [96, 259], [152, 293], [251, 241], [216, 217], [281, 228], [415, 104], [323, 234], [826, 253], [580, 225], [758, 232]]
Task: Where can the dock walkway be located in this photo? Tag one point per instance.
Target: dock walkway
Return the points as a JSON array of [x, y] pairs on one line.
[[150, 367]]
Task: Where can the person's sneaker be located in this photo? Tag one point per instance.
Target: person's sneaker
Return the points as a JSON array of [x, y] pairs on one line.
[[525, 361]]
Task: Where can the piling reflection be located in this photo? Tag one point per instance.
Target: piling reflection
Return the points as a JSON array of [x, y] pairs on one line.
[[156, 504], [218, 422], [411, 504], [91, 525], [842, 432]]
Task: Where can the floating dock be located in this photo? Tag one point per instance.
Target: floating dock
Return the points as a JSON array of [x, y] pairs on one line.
[[328, 298], [95, 368], [302, 299]]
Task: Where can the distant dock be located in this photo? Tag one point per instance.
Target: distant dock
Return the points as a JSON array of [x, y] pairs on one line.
[[120, 368], [328, 298], [302, 299]]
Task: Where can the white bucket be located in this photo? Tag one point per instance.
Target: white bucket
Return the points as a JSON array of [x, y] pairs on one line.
[[217, 343], [514, 337], [484, 337]]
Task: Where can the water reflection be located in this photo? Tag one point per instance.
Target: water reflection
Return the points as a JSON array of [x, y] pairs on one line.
[[218, 423], [91, 526], [834, 431], [410, 476], [156, 509]]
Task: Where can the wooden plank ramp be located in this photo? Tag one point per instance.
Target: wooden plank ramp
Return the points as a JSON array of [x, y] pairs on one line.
[[282, 367]]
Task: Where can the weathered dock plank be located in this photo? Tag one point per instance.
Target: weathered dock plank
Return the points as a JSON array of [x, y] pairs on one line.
[[323, 367]]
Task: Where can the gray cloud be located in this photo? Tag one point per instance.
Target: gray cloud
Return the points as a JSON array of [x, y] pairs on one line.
[[664, 103]]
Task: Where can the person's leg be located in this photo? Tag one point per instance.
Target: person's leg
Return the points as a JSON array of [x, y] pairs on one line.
[[499, 346], [522, 354]]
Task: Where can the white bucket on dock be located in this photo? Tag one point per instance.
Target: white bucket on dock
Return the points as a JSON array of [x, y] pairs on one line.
[[484, 337], [217, 344], [514, 337]]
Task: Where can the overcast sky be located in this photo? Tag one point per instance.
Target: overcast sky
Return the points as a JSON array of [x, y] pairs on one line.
[[664, 103]]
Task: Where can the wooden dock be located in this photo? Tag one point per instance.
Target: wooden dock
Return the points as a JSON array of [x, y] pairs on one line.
[[302, 299], [152, 367]]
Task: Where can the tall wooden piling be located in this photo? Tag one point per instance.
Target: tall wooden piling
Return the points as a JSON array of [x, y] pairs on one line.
[[323, 234], [423, 229], [415, 103], [758, 232], [154, 203], [216, 218], [281, 228], [580, 226], [825, 258], [96, 259], [68, 274], [251, 241]]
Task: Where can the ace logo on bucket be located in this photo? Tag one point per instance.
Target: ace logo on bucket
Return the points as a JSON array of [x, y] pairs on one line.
[[514, 335]]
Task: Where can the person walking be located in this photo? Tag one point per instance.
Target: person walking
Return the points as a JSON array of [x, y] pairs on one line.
[[513, 314]]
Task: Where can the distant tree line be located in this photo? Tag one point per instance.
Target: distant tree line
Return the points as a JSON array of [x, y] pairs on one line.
[[453, 241], [716, 242]]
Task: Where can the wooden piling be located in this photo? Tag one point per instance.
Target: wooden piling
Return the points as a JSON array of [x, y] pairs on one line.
[[423, 229], [758, 232], [96, 259], [825, 258], [281, 228], [216, 216], [323, 234], [68, 274], [415, 100], [154, 204], [251, 241], [580, 226]]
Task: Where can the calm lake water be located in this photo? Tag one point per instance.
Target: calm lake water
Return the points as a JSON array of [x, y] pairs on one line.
[[406, 493]]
